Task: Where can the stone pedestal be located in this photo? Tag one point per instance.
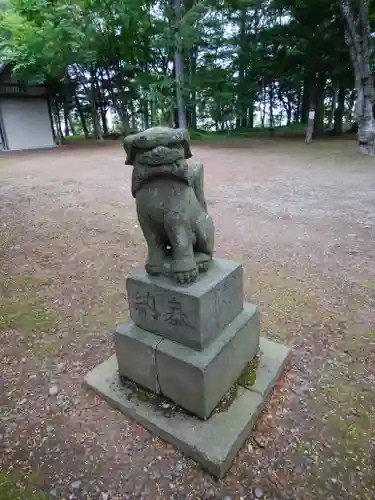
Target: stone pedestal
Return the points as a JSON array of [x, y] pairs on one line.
[[195, 380], [190, 347], [189, 344]]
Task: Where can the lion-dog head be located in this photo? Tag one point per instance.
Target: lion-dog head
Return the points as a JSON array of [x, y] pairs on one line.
[[158, 152]]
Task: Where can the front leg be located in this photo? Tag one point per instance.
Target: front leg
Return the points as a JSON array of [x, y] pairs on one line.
[[183, 269], [156, 245]]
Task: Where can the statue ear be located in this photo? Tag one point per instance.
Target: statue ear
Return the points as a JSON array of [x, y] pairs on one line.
[[130, 151], [187, 150]]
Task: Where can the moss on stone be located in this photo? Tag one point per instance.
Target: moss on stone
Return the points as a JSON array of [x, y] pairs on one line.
[[246, 379], [249, 375], [159, 402], [228, 399]]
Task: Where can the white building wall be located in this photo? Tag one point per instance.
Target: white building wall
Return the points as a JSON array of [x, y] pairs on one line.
[[26, 122]]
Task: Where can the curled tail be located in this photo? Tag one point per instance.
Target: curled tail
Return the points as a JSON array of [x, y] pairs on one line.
[[197, 174]]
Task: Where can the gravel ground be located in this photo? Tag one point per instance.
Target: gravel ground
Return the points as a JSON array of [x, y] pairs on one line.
[[302, 221]]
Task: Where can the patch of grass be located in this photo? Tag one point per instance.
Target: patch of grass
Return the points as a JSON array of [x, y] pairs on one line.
[[347, 429], [72, 138], [105, 316], [11, 489], [243, 133], [20, 306], [204, 135], [22, 284], [45, 351], [351, 415], [285, 302], [26, 315], [288, 301]]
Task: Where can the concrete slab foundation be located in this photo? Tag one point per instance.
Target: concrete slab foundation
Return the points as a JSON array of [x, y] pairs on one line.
[[213, 442]]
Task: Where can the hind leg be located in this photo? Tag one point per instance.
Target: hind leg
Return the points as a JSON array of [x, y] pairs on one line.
[[205, 239]]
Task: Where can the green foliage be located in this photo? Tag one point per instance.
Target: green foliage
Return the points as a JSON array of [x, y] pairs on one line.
[[10, 489], [243, 58], [26, 316]]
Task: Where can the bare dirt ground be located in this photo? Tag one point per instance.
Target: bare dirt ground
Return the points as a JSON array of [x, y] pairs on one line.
[[302, 221]]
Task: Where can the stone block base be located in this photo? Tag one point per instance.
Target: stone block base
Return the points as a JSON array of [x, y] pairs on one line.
[[214, 442], [195, 380], [190, 315], [136, 355]]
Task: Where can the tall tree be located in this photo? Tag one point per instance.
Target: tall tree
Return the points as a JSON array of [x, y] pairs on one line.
[[179, 64], [197, 63], [358, 38]]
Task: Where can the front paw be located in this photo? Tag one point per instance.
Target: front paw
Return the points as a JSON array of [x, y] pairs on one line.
[[184, 271], [185, 277], [203, 267], [153, 270]]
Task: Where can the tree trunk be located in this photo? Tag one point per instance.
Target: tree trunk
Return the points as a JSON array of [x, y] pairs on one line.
[[125, 121], [270, 96], [263, 108], [118, 100], [153, 114], [297, 111], [193, 92], [119, 105], [319, 106], [100, 108], [250, 118], [103, 116], [89, 89], [358, 38], [98, 132], [174, 118], [365, 117], [133, 116], [81, 115], [145, 114], [179, 65], [289, 112], [71, 125], [242, 56], [66, 119], [334, 105], [310, 123], [339, 112], [59, 134], [351, 105], [306, 100]]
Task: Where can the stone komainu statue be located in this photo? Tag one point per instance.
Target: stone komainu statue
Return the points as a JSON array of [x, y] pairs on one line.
[[171, 206]]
